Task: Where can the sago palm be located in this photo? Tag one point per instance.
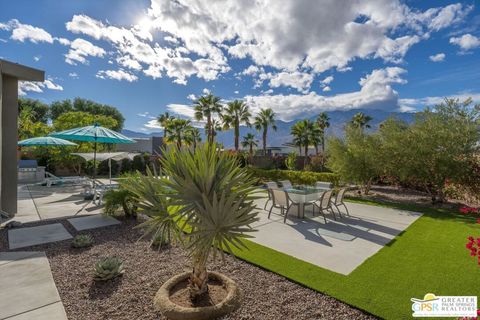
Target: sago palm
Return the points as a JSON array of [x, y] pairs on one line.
[[235, 114], [264, 119], [206, 107]]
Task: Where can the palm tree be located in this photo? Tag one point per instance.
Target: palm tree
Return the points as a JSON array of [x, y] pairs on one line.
[[264, 119], [236, 113], [306, 133], [178, 131], [193, 137], [249, 141], [323, 122], [164, 119], [210, 192], [360, 120], [206, 107]]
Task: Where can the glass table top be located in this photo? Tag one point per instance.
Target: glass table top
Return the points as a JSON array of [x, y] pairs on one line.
[[302, 189]]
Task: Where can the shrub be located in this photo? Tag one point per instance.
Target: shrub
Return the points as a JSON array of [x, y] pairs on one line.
[[82, 241], [296, 177], [291, 161], [125, 165], [108, 268], [120, 199]]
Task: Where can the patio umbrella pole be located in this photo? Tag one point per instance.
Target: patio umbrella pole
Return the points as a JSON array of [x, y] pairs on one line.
[[94, 166]]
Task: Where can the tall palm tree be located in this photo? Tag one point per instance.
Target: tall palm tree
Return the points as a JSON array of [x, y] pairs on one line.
[[306, 133], [360, 120], [178, 131], [323, 122], [164, 119], [206, 107], [193, 137], [249, 141], [264, 119], [236, 113]]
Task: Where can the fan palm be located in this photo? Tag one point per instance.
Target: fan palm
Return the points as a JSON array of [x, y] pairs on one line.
[[193, 137], [264, 119], [206, 107], [213, 200], [249, 141], [164, 119], [306, 133], [236, 113], [178, 131], [360, 120], [323, 122]]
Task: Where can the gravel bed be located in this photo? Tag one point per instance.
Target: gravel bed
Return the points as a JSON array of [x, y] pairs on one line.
[[266, 295]]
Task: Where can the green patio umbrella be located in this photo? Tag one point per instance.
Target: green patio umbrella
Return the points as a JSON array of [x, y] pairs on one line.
[[45, 141], [95, 134]]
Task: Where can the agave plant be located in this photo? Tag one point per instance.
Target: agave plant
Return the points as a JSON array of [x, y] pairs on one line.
[[82, 241], [210, 200], [108, 268]]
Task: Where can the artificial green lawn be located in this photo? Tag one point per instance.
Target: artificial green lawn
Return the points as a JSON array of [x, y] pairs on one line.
[[430, 256]]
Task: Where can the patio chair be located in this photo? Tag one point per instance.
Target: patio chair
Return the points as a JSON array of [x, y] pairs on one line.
[[324, 204], [270, 185], [324, 185], [338, 201], [279, 200], [286, 184], [100, 190], [51, 179]]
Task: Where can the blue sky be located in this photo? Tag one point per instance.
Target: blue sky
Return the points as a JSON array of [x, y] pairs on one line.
[[147, 57]]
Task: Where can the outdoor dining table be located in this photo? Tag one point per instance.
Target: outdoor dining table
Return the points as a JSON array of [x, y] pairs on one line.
[[304, 195]]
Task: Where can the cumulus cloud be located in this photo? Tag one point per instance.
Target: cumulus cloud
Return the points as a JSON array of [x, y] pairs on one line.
[[25, 86], [22, 32], [326, 89], [466, 42], [116, 75], [80, 49], [430, 101], [439, 57], [376, 92], [293, 34]]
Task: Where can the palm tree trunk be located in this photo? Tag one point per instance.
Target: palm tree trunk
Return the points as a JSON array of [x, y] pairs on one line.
[[251, 149], [209, 129], [323, 151], [305, 161], [264, 141], [199, 277], [237, 133]]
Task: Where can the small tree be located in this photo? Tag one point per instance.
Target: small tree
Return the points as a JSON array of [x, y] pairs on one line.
[[355, 158], [291, 161]]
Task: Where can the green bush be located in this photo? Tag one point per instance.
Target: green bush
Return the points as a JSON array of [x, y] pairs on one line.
[[296, 177], [120, 202]]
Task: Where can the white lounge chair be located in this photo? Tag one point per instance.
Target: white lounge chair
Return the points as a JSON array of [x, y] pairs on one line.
[[52, 179]]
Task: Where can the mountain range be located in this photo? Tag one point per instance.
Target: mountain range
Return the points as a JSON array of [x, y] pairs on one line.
[[338, 120]]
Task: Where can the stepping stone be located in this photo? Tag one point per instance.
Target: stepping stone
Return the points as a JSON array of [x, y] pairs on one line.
[[28, 289], [25, 237], [92, 222]]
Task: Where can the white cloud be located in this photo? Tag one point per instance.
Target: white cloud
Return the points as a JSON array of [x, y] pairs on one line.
[[153, 124], [292, 34], [327, 80], [439, 57], [144, 114], [297, 80], [236, 92], [22, 32], [116, 75], [24, 86], [326, 89], [191, 96], [80, 49], [466, 42], [206, 91], [430, 101], [252, 70], [63, 41], [128, 62], [37, 58], [376, 92], [73, 75]]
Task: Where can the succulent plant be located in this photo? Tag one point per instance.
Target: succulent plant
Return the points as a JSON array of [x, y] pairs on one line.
[[82, 241], [108, 268]]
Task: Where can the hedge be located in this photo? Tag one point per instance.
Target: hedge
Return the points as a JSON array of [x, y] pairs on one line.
[[296, 177]]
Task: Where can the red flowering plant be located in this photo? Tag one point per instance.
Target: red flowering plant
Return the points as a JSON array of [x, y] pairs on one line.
[[471, 318], [467, 210]]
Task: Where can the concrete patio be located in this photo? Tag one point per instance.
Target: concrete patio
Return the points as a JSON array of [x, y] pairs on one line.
[[36, 202], [339, 246]]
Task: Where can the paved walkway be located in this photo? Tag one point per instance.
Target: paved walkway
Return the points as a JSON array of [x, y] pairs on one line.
[[37, 202], [339, 246], [27, 288]]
